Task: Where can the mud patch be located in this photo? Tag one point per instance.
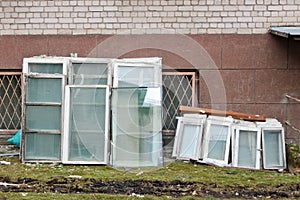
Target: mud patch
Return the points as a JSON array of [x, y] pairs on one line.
[[144, 187]]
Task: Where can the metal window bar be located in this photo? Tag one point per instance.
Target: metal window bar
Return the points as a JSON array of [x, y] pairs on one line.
[[10, 100], [179, 88]]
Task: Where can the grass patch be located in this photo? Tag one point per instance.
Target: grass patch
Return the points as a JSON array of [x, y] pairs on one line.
[[203, 174]]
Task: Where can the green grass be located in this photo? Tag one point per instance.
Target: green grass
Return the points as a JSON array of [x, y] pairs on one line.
[[174, 171], [202, 174], [30, 196]]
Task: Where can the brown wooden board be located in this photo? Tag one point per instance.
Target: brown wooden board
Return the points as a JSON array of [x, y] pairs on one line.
[[236, 115]]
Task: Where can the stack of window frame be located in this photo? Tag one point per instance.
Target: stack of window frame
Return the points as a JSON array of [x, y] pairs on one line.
[[84, 107], [230, 142]]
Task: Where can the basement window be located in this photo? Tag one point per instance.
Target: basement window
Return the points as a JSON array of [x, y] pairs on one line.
[[179, 88]]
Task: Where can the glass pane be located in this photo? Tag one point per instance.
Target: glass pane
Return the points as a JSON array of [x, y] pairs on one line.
[[90, 73], [87, 124], [134, 151], [131, 76], [46, 68], [42, 146], [44, 90], [137, 110], [273, 148], [217, 142], [43, 117], [247, 148], [136, 122], [189, 141]]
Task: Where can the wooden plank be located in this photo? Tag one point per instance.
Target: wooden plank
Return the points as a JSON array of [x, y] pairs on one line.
[[236, 115]]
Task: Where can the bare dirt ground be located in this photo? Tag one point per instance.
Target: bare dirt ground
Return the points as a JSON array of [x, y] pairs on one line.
[[144, 187]]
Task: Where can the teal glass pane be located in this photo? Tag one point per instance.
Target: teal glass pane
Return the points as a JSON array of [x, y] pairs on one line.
[[46, 68], [136, 123], [217, 142], [189, 141], [44, 90], [87, 124], [273, 148], [247, 148], [43, 118], [131, 76], [42, 146], [90, 73]]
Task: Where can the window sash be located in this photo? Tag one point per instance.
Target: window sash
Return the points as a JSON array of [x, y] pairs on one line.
[[189, 119], [135, 143], [256, 151], [42, 132], [274, 148], [220, 122], [85, 75], [68, 135], [142, 80]]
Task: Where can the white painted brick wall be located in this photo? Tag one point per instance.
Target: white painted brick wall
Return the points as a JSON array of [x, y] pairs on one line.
[[36, 17]]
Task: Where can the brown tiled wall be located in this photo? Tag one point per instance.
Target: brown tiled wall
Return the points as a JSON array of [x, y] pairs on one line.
[[257, 71]]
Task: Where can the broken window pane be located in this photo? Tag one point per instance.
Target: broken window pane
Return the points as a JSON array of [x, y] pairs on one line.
[[136, 115], [42, 146], [87, 133], [45, 68], [273, 146], [44, 90], [43, 117]]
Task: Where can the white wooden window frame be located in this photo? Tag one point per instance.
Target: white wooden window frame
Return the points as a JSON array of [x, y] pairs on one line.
[[283, 156], [220, 121], [27, 75], [154, 63], [83, 61], [118, 163], [47, 60], [175, 145], [195, 120], [236, 130], [65, 141], [178, 131]]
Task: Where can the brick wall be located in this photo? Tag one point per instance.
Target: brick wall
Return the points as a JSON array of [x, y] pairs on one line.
[[35, 17]]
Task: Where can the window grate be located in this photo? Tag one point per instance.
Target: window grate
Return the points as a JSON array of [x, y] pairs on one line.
[[179, 88], [10, 100]]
